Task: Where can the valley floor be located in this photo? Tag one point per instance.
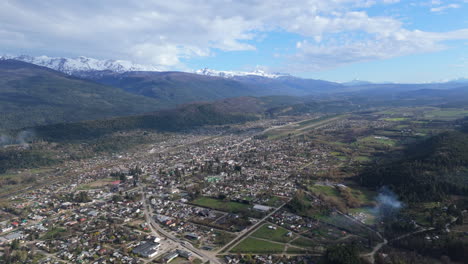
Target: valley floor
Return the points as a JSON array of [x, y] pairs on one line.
[[268, 190]]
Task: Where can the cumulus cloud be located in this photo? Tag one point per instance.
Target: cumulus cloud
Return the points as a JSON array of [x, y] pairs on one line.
[[314, 57], [160, 33], [165, 33]]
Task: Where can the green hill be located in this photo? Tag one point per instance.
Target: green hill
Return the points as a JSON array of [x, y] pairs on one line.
[[173, 88], [31, 95], [429, 170], [234, 110]]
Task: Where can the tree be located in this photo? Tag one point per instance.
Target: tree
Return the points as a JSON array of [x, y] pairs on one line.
[[15, 244], [83, 197], [343, 254]]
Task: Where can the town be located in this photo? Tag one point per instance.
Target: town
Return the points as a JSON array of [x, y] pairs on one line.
[[275, 191]]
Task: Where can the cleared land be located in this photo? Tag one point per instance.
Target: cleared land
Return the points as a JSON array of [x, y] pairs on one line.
[[220, 204], [279, 234], [253, 245], [299, 128]]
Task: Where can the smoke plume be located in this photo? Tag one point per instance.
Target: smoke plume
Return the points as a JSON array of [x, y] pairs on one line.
[[388, 204], [23, 138]]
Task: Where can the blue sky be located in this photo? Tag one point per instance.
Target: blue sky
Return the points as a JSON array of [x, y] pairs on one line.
[[339, 40]]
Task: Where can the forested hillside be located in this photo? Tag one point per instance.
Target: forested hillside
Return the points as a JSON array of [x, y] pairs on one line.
[[172, 88], [429, 170], [31, 95], [185, 117]]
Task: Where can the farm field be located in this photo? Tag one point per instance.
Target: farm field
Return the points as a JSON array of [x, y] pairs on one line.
[[221, 205], [253, 245], [279, 234]]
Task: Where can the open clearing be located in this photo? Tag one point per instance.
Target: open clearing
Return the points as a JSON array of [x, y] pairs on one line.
[[298, 128], [253, 245], [220, 204], [279, 234]]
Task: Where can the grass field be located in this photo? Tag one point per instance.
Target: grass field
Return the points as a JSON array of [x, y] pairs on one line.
[[376, 140], [303, 242], [221, 205], [299, 128], [278, 235], [446, 114], [295, 250], [253, 245], [96, 184], [364, 195], [274, 201], [396, 119], [326, 190], [362, 158], [53, 233]]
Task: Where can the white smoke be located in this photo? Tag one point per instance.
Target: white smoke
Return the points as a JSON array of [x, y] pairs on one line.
[[388, 204], [388, 198], [4, 140], [23, 138]]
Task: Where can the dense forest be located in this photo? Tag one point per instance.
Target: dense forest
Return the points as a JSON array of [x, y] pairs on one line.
[[31, 95], [179, 119], [429, 170], [18, 159]]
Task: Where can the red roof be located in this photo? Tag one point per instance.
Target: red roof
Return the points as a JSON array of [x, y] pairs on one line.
[[115, 182]]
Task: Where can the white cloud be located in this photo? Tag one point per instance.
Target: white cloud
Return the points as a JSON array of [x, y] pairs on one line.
[[444, 7], [313, 57], [165, 33]]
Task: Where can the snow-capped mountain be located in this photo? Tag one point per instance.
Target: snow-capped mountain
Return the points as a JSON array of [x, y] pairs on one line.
[[231, 74], [82, 64]]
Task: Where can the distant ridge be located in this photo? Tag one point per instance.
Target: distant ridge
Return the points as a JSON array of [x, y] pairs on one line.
[[33, 95], [231, 74], [81, 64], [356, 82]]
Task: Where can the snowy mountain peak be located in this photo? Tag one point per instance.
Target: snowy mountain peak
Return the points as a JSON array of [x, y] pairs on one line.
[[82, 64], [231, 74]]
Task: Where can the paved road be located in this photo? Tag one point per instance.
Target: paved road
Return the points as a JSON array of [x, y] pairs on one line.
[[371, 255], [187, 246], [244, 233]]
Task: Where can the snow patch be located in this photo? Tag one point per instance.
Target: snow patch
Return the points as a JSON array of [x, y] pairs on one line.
[[80, 64], [231, 74]]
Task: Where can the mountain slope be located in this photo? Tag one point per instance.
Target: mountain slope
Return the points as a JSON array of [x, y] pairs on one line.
[[174, 88], [74, 66], [180, 87], [288, 85], [428, 171], [231, 74], [32, 95], [234, 110]]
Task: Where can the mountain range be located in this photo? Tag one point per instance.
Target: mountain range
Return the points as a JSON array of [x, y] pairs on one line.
[[74, 66], [84, 65], [231, 74], [33, 95]]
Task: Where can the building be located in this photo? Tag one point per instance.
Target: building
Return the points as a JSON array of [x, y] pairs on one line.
[[147, 249], [192, 236], [261, 208], [12, 236], [185, 254], [171, 256]]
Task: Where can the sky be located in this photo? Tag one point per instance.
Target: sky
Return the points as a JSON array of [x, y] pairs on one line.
[[337, 40]]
